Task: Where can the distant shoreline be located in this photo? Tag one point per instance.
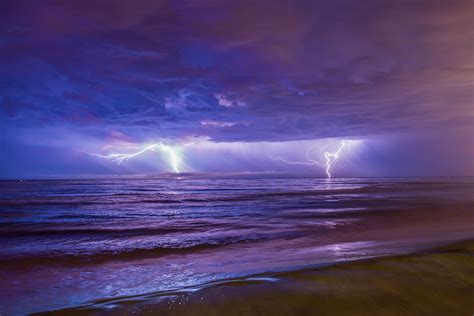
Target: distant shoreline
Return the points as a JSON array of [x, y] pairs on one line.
[[241, 175], [437, 281]]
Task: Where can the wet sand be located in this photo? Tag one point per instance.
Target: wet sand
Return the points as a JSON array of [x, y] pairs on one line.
[[434, 282]]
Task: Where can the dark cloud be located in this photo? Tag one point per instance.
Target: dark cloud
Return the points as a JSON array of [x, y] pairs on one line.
[[253, 70]]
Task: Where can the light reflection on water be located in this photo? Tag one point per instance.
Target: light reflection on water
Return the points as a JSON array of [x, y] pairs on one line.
[[67, 243]]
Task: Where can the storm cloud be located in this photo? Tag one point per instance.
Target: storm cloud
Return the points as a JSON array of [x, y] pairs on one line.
[[236, 71]]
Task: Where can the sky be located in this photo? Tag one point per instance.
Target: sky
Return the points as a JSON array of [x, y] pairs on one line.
[[236, 86]]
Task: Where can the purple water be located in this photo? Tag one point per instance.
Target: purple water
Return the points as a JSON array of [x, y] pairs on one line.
[[68, 243]]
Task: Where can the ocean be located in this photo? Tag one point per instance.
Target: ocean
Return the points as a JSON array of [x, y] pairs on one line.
[[72, 243]]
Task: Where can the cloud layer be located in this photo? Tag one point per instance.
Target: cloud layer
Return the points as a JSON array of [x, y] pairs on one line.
[[235, 71]]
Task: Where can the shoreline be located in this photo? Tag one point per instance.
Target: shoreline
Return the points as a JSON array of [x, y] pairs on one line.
[[434, 281]]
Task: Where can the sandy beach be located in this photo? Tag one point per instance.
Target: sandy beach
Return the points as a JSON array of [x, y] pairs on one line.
[[439, 281]]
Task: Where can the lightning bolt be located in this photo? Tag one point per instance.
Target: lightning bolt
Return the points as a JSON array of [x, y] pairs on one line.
[[309, 162], [331, 159], [174, 158]]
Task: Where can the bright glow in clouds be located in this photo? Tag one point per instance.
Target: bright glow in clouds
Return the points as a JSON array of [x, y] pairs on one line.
[[204, 155], [330, 158], [173, 154]]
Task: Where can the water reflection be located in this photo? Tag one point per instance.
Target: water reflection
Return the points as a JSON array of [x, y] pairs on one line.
[[71, 242]]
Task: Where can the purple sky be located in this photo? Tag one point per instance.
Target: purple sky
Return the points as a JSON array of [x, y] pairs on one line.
[[242, 80]]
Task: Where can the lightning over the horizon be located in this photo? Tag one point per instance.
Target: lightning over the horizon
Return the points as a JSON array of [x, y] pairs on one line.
[[330, 159], [173, 154], [240, 79]]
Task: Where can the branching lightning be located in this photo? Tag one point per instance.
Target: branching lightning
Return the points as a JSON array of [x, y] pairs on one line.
[[173, 155], [315, 156], [330, 158]]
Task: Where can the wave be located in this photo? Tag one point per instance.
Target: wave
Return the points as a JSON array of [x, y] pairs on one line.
[[93, 232], [197, 196], [76, 259]]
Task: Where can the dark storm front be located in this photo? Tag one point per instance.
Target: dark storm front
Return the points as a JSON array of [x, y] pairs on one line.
[[67, 243]]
